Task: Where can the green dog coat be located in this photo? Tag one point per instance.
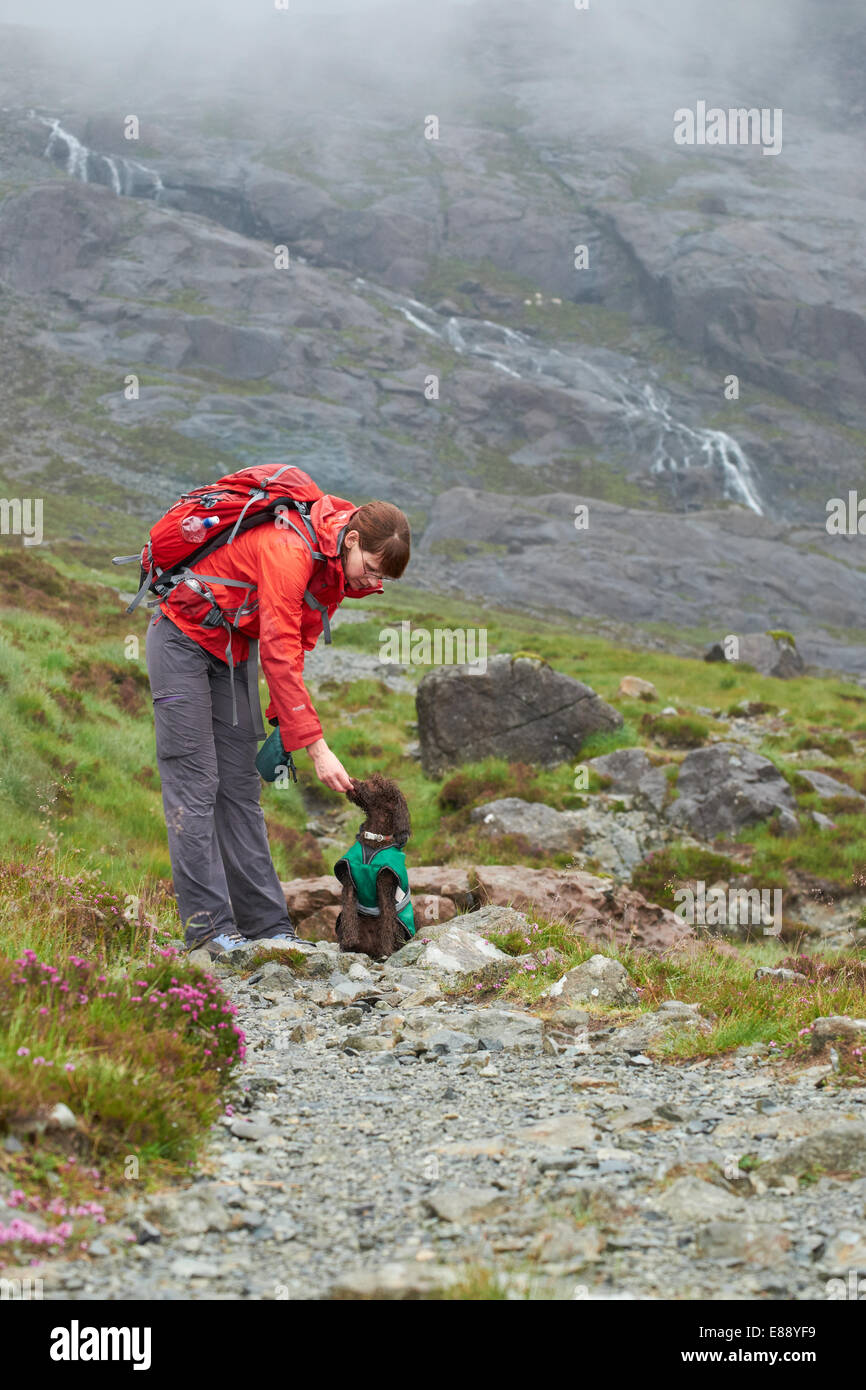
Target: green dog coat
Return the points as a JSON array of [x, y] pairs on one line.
[[363, 865]]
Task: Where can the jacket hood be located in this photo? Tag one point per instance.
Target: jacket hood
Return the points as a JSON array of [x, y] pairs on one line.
[[330, 516]]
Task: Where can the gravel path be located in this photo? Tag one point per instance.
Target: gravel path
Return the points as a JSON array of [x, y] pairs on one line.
[[371, 1153]]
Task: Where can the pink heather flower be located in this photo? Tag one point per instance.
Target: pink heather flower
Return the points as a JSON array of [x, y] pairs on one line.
[[70, 1066], [23, 1052], [39, 1061]]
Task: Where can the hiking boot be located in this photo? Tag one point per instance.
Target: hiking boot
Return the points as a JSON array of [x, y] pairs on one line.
[[220, 945]]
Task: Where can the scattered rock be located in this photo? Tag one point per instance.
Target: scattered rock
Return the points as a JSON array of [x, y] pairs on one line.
[[837, 1027], [599, 980], [450, 949], [61, 1117], [573, 1131], [540, 824], [771, 656], [840, 1149], [739, 1240], [250, 1129], [829, 786], [604, 910], [462, 1204], [566, 1244], [393, 1281], [764, 972], [692, 1199], [637, 689], [509, 1030], [845, 1251]]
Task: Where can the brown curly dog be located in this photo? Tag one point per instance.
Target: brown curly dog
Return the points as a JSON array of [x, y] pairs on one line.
[[375, 930]]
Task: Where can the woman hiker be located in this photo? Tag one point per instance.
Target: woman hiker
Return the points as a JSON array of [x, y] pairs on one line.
[[224, 878]]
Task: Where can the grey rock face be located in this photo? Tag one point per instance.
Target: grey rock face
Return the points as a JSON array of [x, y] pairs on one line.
[[617, 839], [519, 709], [541, 824], [631, 771], [794, 578], [725, 787]]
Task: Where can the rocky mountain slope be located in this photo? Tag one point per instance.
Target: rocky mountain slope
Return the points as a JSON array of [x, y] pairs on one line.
[[454, 258]]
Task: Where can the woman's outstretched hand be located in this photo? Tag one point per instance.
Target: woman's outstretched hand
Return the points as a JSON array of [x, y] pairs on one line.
[[328, 768]]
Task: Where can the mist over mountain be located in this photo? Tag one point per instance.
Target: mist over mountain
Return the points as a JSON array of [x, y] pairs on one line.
[[543, 302]]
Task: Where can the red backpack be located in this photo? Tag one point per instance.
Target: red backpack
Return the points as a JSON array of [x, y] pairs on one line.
[[238, 502]]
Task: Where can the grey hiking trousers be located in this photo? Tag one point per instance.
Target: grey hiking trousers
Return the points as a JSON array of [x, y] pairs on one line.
[[224, 877]]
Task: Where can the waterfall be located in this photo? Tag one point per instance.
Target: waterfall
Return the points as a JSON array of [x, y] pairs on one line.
[[717, 448], [126, 177], [616, 382]]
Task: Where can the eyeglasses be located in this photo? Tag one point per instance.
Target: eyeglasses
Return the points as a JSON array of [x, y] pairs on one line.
[[372, 575]]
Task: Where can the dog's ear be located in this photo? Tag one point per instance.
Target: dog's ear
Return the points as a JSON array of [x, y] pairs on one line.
[[401, 824]]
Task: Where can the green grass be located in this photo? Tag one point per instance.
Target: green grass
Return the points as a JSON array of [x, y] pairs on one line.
[[742, 1010], [99, 1013], [78, 760]]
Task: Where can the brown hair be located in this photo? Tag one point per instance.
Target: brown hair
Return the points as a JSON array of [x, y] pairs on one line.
[[383, 530]]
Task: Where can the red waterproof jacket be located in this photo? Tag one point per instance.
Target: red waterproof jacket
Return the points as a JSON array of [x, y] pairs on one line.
[[277, 561]]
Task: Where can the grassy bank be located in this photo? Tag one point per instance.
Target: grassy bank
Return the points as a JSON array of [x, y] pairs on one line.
[[114, 1051]]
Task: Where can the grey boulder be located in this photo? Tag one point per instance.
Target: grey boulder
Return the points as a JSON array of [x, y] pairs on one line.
[[513, 707]]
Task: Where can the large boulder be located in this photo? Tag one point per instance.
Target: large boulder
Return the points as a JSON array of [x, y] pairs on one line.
[[770, 654], [515, 707], [724, 787], [443, 881], [314, 903], [600, 909]]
